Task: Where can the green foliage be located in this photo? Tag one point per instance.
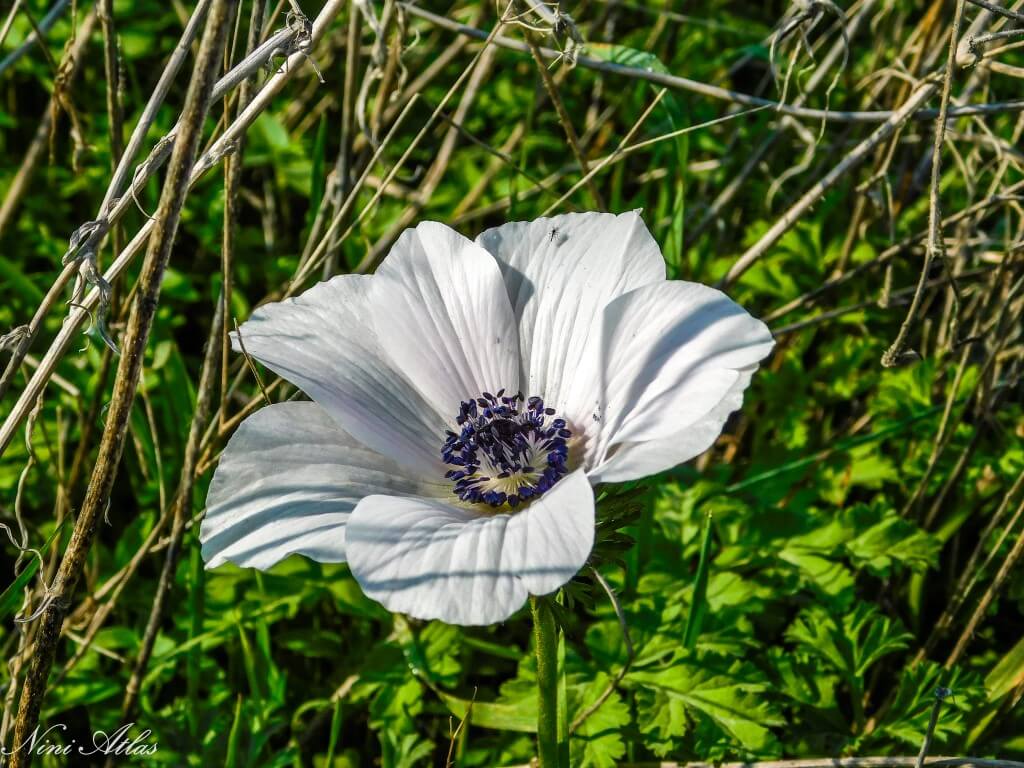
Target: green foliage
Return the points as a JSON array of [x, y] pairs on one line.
[[776, 592]]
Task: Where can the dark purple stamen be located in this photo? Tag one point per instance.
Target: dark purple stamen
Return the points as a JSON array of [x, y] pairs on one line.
[[512, 439]]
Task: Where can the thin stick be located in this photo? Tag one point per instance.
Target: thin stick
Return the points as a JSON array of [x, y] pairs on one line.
[[567, 126], [437, 169], [726, 196], [251, 364], [25, 172], [326, 242], [130, 366], [855, 157], [232, 182], [935, 248], [614, 683], [97, 229], [342, 179], [81, 311], [999, 10], [9, 21], [182, 511], [625, 149], [115, 585], [940, 696], [85, 240], [38, 31], [675, 82], [972, 570], [110, 70], [892, 251], [986, 599]]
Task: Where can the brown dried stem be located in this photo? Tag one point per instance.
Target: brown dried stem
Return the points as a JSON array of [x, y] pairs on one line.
[[130, 366]]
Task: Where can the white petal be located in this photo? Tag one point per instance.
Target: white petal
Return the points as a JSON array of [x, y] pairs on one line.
[[673, 361], [287, 483], [323, 342], [635, 460], [561, 273], [444, 318], [433, 560]]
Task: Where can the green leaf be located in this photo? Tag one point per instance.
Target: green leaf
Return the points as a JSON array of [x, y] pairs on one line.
[[520, 716], [332, 744], [852, 643], [843, 445], [662, 719], [598, 741], [563, 703], [832, 578], [17, 280], [1007, 674], [433, 652], [12, 597], [318, 175], [885, 538], [234, 737], [731, 698], [273, 132], [699, 606], [907, 717]]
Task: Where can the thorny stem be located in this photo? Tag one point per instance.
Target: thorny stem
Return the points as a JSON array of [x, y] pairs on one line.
[[129, 368], [545, 640]]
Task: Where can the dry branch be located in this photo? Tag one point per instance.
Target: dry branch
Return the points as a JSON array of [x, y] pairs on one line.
[[853, 159], [675, 82], [125, 385], [81, 311]]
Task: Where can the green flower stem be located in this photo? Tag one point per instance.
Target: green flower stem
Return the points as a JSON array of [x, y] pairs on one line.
[[545, 640]]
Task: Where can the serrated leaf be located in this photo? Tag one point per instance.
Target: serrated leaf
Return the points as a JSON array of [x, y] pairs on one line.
[[908, 715], [598, 741], [885, 538], [850, 643], [734, 702], [662, 720], [830, 577]]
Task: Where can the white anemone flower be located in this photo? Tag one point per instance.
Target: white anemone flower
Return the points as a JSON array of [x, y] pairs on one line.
[[466, 399]]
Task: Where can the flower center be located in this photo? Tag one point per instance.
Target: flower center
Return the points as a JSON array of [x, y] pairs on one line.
[[509, 450]]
